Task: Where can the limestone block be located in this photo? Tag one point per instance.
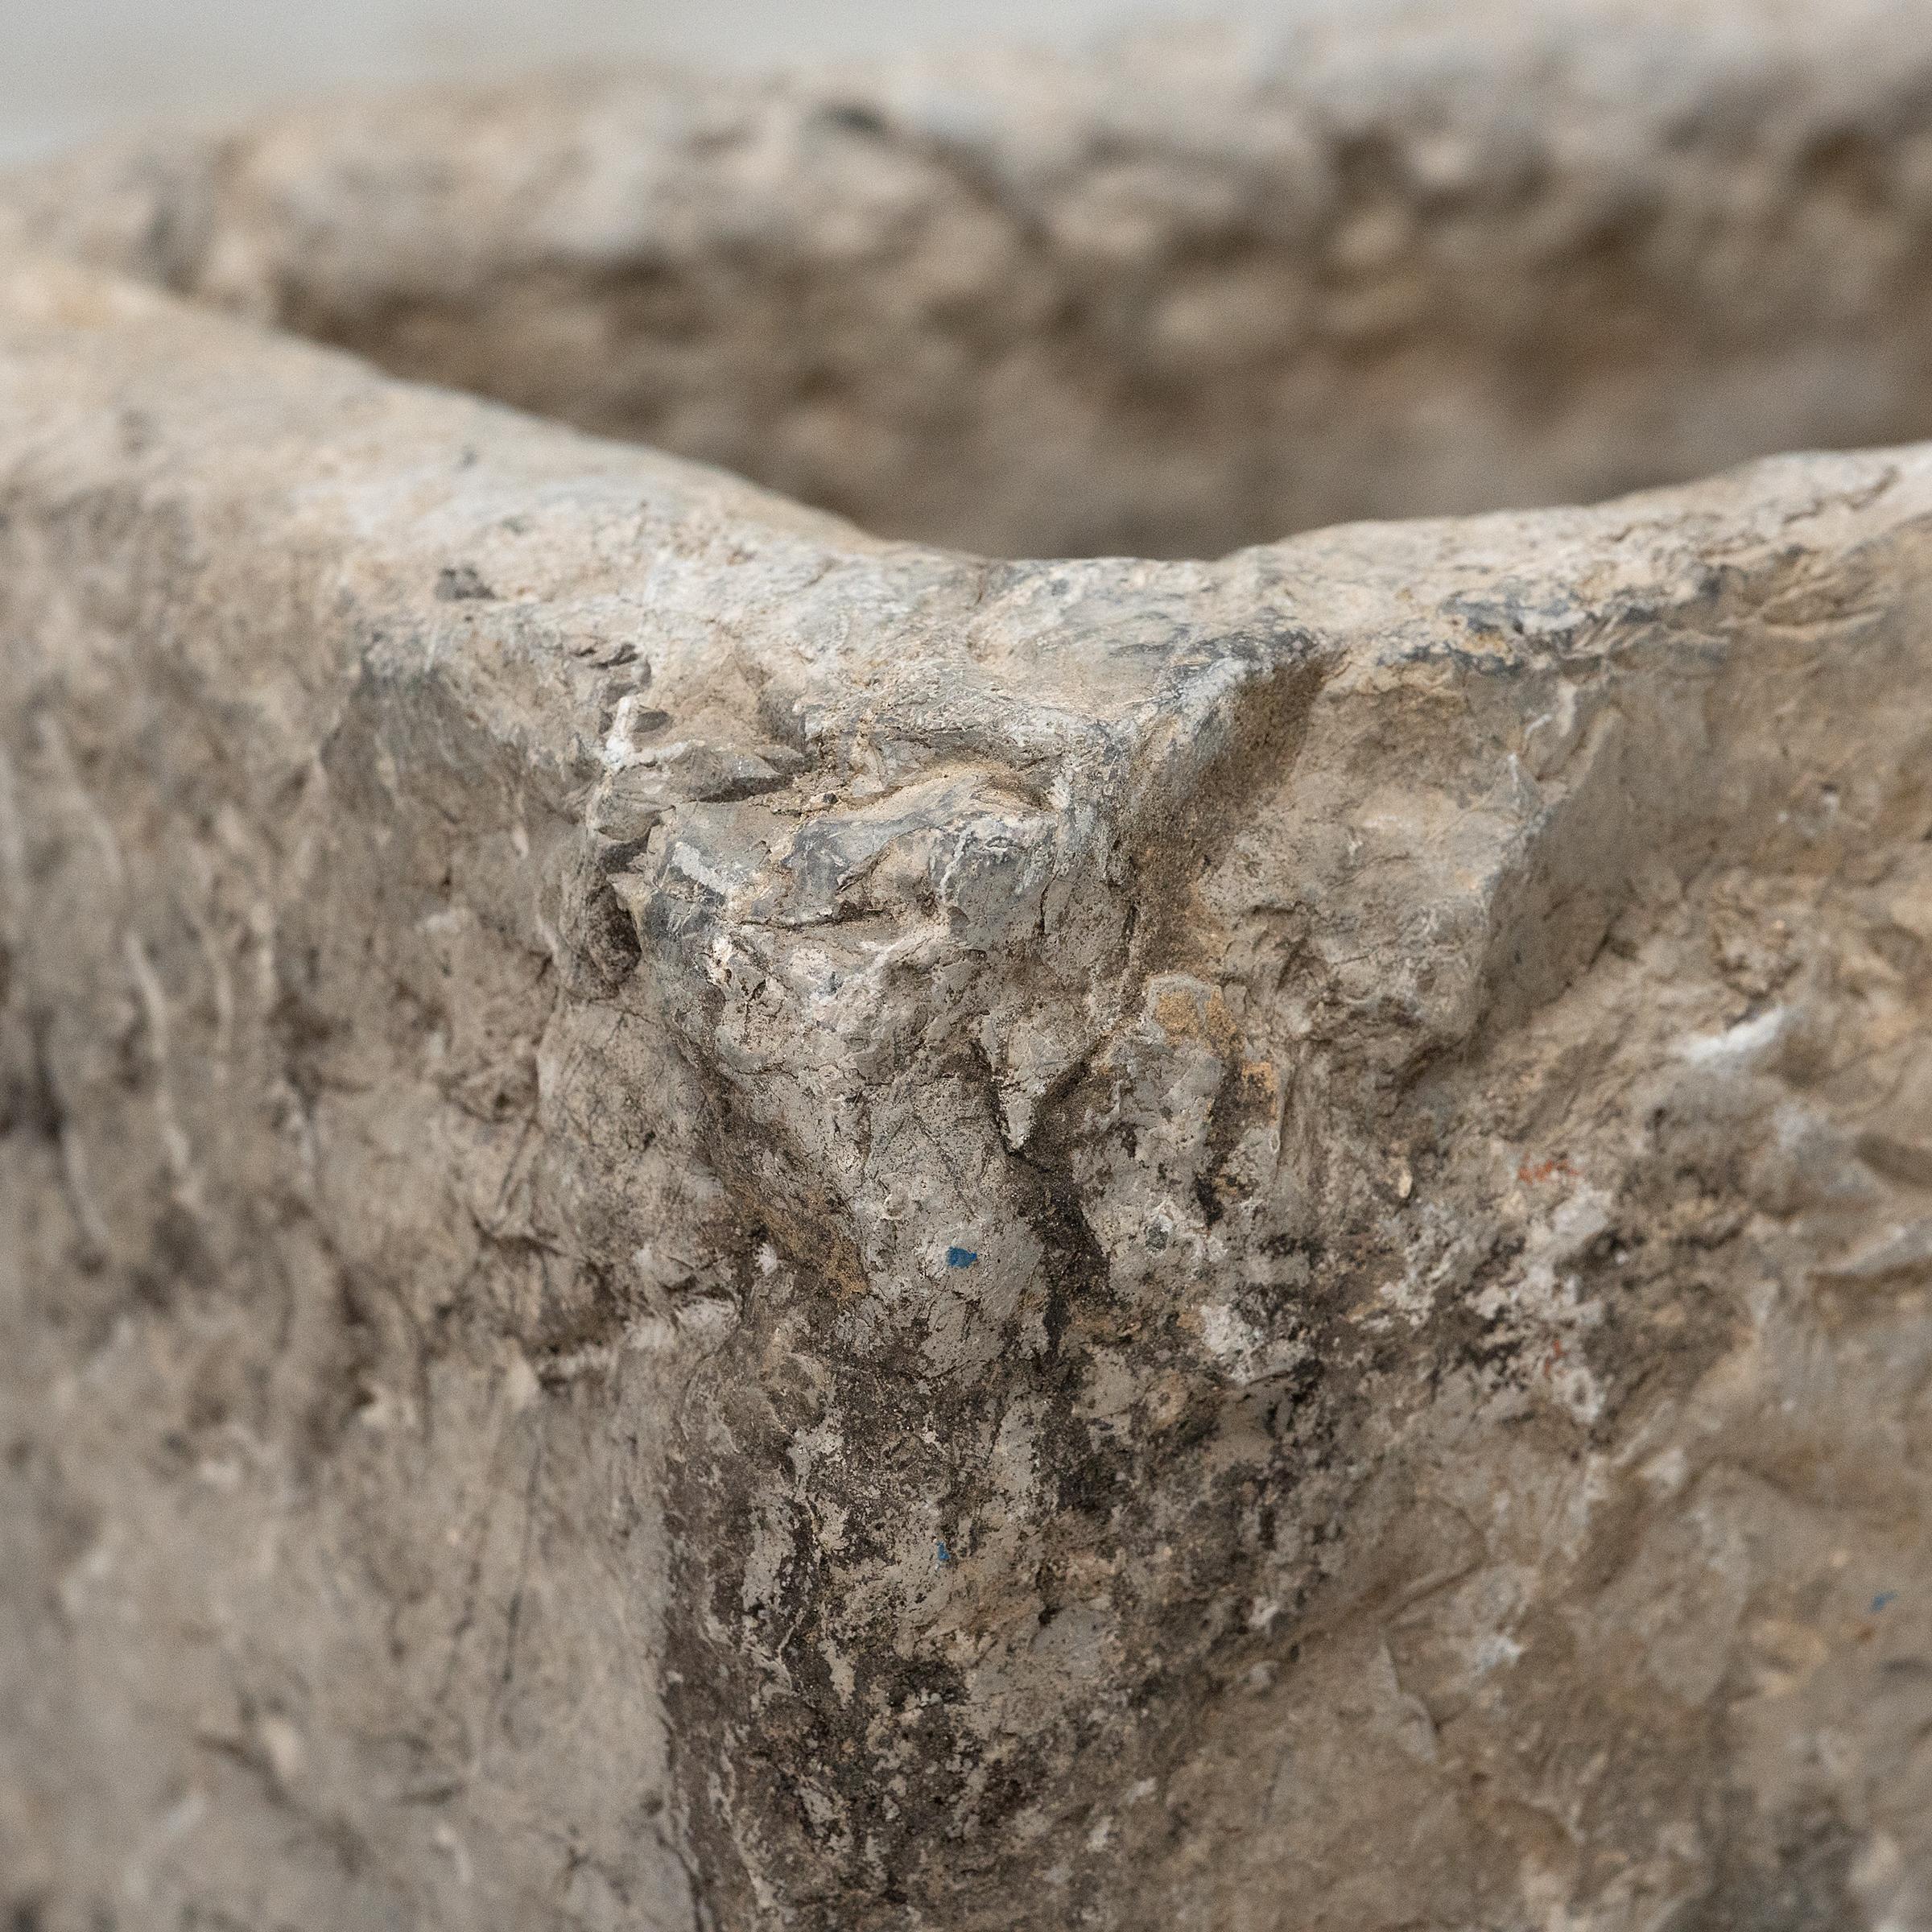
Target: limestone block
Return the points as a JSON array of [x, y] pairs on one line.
[[708, 1221]]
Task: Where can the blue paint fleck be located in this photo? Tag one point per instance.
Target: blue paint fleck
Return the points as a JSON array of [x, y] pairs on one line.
[[945, 1554], [1883, 1598], [961, 1257]]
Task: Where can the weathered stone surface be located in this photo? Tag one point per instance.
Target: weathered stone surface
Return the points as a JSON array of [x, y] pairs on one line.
[[709, 1222], [1409, 260]]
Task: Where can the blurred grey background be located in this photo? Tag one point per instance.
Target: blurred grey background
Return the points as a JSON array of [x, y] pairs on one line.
[[71, 69]]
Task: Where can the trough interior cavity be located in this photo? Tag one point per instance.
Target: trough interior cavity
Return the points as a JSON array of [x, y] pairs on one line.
[[1154, 317]]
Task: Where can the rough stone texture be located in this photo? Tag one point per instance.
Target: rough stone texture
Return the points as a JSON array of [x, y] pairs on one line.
[[709, 1223], [1490, 254]]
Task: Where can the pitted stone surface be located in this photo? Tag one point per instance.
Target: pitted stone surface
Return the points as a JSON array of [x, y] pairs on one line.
[[709, 1222]]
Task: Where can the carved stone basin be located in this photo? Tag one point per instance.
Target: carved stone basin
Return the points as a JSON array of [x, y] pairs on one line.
[[716, 1218]]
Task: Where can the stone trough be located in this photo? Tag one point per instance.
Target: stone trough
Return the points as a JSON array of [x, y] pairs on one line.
[[719, 1212]]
